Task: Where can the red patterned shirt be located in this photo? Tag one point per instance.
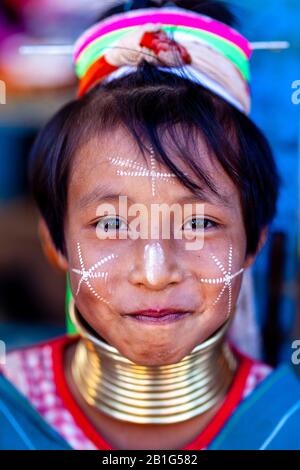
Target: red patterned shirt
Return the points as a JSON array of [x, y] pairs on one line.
[[38, 373]]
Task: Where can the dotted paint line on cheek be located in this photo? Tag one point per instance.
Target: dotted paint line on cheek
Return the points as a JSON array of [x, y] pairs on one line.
[[139, 170], [226, 279], [87, 274]]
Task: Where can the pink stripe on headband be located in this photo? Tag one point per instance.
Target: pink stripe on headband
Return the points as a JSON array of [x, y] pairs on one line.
[[168, 16]]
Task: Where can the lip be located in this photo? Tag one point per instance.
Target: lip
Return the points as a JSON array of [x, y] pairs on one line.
[[159, 316], [157, 312]]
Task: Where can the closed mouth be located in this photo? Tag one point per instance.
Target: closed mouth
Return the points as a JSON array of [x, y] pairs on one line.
[[159, 316]]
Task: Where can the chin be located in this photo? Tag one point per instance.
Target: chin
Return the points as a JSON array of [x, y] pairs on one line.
[[156, 355]]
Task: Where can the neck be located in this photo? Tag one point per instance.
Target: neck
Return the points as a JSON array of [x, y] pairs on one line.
[[151, 394]]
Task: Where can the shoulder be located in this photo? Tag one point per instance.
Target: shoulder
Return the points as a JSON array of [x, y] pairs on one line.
[[22, 428], [253, 370], [268, 418], [37, 375], [25, 367]]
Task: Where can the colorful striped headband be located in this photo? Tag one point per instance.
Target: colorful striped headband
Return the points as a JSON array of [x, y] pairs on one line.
[[179, 41]]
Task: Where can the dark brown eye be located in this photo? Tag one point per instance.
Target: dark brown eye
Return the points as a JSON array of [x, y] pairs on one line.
[[198, 223], [111, 224]]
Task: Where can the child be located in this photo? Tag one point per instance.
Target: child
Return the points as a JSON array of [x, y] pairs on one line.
[[160, 122]]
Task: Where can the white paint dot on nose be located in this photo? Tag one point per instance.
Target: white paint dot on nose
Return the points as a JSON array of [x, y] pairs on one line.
[[154, 259]]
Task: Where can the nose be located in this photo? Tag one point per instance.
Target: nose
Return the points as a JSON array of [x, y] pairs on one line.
[[156, 268]]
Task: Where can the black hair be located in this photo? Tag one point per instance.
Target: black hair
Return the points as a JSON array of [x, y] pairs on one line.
[[214, 8], [144, 102]]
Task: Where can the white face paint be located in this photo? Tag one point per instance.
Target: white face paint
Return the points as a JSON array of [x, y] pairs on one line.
[[92, 273], [134, 169], [226, 279], [154, 259]]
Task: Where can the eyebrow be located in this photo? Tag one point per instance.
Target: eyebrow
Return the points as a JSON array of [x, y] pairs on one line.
[[104, 192], [225, 201]]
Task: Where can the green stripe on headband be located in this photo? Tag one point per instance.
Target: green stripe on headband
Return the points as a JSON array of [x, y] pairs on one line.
[[97, 48], [223, 46]]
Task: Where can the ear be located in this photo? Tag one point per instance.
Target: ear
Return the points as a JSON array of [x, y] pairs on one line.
[[54, 256], [262, 240]]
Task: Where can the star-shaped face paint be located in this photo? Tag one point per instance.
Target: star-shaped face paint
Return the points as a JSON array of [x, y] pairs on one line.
[[92, 273], [127, 167], [226, 279]]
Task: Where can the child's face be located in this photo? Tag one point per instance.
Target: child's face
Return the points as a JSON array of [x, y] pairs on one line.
[[112, 278]]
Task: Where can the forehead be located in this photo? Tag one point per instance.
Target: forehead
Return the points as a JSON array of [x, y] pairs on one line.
[[95, 166]]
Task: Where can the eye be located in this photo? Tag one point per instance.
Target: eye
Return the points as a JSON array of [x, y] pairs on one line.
[[111, 224], [198, 223]]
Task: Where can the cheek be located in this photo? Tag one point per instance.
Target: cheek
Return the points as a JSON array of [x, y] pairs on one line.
[[90, 272], [218, 271], [221, 297]]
